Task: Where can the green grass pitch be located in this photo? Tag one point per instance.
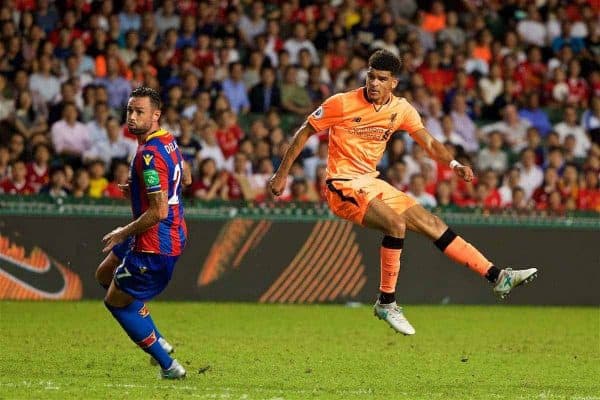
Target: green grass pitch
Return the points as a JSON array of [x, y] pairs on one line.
[[77, 351]]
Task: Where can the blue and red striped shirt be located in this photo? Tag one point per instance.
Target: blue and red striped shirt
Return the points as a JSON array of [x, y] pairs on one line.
[[158, 165]]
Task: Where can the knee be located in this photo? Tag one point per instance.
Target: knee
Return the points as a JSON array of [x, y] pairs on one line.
[[102, 277], [435, 225], [397, 227], [98, 275], [439, 225]]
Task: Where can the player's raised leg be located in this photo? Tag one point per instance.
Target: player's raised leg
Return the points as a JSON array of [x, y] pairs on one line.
[[104, 276], [134, 318], [382, 217], [420, 220]]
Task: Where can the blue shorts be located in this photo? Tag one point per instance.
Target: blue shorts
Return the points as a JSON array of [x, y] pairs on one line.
[[123, 248], [144, 275]]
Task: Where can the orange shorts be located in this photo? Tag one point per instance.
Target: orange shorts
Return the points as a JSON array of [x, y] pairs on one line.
[[350, 198]]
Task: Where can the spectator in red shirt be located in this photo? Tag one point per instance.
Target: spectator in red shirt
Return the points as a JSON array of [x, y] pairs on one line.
[[17, 182], [578, 87], [549, 185], [211, 184], [37, 170], [485, 198], [68, 25], [435, 78], [120, 178], [493, 200], [25, 5], [204, 54], [532, 73], [238, 187], [589, 193], [229, 133]]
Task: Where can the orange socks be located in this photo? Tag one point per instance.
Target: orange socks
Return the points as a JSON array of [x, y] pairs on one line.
[[463, 252], [391, 249]]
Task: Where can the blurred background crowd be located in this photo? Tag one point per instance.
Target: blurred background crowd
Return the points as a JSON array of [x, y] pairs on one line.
[[511, 87]]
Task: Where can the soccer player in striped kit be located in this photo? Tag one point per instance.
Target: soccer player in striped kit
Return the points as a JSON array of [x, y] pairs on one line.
[[158, 229]]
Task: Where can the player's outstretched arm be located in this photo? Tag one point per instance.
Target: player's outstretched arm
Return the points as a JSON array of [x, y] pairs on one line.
[[279, 179], [158, 209], [438, 152]]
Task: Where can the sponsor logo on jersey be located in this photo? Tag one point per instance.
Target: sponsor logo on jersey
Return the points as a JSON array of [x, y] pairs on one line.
[[148, 158], [151, 178]]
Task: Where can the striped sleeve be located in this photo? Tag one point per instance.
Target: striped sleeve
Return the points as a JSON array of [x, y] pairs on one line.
[[154, 171]]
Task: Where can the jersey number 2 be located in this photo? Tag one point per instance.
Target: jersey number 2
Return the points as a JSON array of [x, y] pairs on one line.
[[176, 180]]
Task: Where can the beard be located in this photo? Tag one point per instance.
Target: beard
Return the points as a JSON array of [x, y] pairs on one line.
[[139, 129]]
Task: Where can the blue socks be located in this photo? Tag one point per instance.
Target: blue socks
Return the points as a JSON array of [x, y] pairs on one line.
[[136, 321]]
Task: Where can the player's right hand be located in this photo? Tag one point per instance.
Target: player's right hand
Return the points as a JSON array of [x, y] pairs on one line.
[[464, 172], [277, 184], [113, 238]]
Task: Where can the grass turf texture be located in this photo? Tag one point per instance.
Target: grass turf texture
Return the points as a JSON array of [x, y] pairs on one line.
[[76, 350]]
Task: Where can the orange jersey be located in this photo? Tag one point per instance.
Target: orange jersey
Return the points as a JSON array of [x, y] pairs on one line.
[[358, 133]]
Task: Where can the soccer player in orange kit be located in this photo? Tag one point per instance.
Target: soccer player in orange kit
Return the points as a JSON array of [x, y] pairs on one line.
[[360, 122]]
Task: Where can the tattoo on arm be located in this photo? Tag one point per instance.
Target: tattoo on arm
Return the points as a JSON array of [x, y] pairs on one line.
[[157, 210]]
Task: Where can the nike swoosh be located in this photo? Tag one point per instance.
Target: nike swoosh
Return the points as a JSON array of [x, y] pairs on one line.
[[49, 282]]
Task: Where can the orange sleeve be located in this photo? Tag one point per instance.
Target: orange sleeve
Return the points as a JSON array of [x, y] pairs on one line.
[[410, 120], [328, 114]]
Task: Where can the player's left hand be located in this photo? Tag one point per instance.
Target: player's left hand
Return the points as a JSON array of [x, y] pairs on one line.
[[113, 238], [464, 172]]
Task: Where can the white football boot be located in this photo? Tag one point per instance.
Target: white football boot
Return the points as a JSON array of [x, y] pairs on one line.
[[393, 315], [508, 279], [175, 371]]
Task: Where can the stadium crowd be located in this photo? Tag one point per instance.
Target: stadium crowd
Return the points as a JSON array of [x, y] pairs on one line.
[[511, 87]]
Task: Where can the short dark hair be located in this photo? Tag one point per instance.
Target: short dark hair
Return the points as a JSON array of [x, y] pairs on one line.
[[145, 91], [385, 60], [17, 161]]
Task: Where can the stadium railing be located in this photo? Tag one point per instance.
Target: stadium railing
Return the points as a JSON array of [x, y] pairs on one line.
[[220, 210]]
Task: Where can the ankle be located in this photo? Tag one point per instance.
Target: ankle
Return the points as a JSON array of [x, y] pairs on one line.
[[492, 274], [387, 298]]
